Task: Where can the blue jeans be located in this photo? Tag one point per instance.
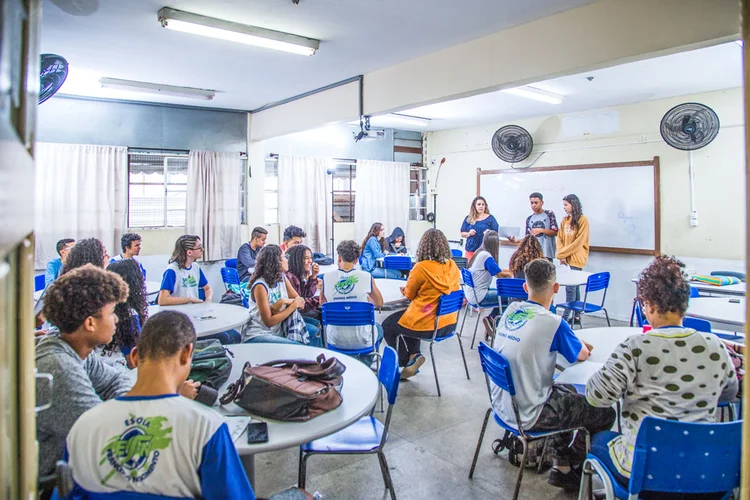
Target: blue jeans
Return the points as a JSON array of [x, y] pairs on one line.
[[228, 337], [491, 300], [313, 329], [380, 272], [572, 293]]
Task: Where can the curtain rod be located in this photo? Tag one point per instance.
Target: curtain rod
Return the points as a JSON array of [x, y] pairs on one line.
[[275, 156], [171, 152]]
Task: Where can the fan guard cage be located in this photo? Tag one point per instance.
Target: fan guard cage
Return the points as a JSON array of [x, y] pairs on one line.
[[689, 126], [512, 143], [54, 70]]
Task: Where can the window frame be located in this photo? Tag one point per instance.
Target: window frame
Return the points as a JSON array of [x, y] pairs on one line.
[[165, 156], [351, 168], [420, 191], [275, 162]]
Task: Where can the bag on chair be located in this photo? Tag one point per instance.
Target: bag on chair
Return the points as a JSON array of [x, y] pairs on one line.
[[288, 390]]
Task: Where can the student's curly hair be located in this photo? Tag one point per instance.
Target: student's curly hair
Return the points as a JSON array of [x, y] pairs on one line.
[[292, 231], [267, 266], [434, 246], [528, 250], [128, 239], [81, 293], [577, 209], [664, 286], [349, 251], [88, 251], [296, 256], [128, 325]]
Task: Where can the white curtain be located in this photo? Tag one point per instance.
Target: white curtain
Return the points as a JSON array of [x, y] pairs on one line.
[[81, 192], [382, 195], [305, 198], [213, 202]]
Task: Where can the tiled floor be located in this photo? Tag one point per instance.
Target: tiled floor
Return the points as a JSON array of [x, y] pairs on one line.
[[431, 444]]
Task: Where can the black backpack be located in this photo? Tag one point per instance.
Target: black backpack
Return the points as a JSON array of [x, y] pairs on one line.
[[211, 365]]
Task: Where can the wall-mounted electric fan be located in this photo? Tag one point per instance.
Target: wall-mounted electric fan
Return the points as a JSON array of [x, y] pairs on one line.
[[512, 143], [54, 70], [689, 126]]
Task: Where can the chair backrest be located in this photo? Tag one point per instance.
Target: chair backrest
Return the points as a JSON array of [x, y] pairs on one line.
[[398, 262], [230, 276], [598, 281], [348, 313], [733, 274], [456, 252], [694, 292], [388, 374], [461, 262], [700, 325], [686, 457], [497, 368], [511, 288], [448, 304], [466, 277], [38, 282], [231, 263], [640, 318]]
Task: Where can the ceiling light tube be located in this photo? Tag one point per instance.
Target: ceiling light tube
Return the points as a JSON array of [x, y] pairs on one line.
[[409, 120], [234, 32], [536, 94], [156, 88]]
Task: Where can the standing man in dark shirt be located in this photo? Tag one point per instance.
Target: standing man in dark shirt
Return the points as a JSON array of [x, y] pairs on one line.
[[249, 252], [542, 224]]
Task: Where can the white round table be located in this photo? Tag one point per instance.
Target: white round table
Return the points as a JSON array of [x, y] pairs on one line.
[[719, 310], [209, 318], [152, 287], [359, 394], [391, 290], [604, 341], [570, 277]]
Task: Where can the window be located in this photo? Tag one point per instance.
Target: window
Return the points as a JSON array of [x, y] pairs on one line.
[[271, 192], [157, 189], [344, 187], [417, 193]]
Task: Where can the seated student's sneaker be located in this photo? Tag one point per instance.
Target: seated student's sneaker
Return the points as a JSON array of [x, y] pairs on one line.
[[489, 328], [569, 482], [412, 368]]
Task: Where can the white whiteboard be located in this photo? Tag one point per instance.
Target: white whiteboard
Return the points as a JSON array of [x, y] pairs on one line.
[[619, 202]]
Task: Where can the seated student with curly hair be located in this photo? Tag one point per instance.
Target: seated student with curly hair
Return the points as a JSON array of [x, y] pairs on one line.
[[88, 251], [669, 372], [293, 236]]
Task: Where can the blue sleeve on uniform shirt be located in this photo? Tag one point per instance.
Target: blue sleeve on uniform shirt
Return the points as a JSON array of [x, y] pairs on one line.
[[202, 281], [491, 266], [566, 343], [143, 270], [168, 280], [221, 472]]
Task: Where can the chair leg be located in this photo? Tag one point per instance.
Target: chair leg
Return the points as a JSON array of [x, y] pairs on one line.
[[476, 327], [479, 443], [585, 491], [434, 368], [541, 457], [302, 469], [463, 356], [463, 322], [606, 315], [522, 466], [386, 474]]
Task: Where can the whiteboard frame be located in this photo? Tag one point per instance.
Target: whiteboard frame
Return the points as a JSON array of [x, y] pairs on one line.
[[657, 199]]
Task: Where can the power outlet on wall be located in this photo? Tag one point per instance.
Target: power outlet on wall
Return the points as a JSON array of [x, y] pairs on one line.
[[693, 218]]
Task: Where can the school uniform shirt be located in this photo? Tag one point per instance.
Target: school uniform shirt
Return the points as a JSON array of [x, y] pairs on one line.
[[372, 252], [673, 373], [118, 258], [427, 282], [183, 281], [480, 226], [530, 337], [164, 446], [483, 271], [255, 327], [348, 286], [544, 220], [573, 243]]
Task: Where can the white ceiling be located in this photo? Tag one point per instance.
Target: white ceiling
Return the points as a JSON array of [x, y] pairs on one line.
[[703, 70], [123, 39]]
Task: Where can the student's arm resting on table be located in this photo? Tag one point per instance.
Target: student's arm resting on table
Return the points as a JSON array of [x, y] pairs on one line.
[[269, 317], [203, 283], [610, 382], [165, 297], [490, 265], [221, 472], [582, 237], [375, 296]]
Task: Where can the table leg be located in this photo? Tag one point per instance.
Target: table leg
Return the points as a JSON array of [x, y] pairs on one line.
[[248, 463]]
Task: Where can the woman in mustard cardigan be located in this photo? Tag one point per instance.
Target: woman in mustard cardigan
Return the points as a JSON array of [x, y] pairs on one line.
[[573, 243]]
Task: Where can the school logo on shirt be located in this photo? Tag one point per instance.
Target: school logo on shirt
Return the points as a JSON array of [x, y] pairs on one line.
[[134, 454], [518, 318], [346, 285], [190, 282]]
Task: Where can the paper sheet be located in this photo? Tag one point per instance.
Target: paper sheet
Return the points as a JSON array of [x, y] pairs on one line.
[[237, 425]]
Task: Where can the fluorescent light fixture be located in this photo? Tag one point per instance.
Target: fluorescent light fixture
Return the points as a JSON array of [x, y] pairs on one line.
[[536, 94], [234, 32], [156, 88], [408, 119]]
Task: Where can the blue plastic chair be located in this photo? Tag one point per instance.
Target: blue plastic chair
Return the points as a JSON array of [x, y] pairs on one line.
[[397, 262], [675, 457], [595, 283], [469, 283], [456, 252], [350, 314], [38, 282], [366, 436], [230, 277], [448, 304], [510, 288], [231, 263], [496, 369], [733, 274]]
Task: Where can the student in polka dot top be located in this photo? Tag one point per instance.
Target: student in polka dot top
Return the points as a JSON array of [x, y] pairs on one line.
[[671, 372]]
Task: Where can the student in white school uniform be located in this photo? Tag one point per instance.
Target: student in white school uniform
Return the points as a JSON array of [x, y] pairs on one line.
[[131, 246], [349, 284]]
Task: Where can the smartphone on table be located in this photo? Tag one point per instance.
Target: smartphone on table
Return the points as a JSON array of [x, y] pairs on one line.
[[257, 432]]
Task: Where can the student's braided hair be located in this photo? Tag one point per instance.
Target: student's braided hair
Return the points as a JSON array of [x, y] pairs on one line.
[[577, 209], [181, 246], [528, 250]]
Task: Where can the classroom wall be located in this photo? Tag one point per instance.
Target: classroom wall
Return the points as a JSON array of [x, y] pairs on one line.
[[717, 242]]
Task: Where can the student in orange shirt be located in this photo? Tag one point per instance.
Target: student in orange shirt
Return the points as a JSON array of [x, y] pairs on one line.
[[434, 275]]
